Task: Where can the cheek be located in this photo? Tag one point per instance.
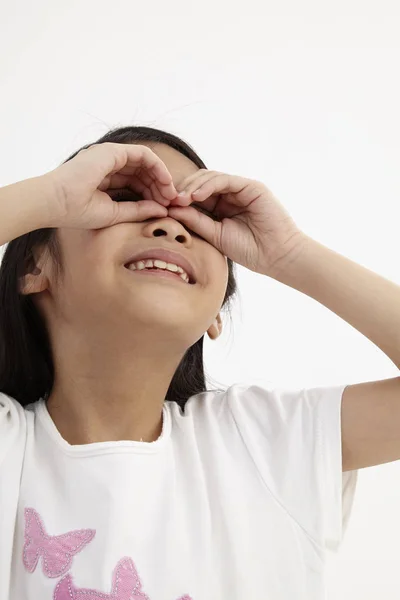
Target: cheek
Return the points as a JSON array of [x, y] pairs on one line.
[[224, 285], [86, 281], [218, 279]]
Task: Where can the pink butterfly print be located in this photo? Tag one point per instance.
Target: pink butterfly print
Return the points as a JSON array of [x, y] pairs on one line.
[[57, 551], [126, 585]]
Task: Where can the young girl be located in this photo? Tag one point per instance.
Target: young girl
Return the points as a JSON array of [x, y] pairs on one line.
[[121, 476]]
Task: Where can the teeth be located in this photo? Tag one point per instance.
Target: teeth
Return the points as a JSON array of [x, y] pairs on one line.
[[160, 264]]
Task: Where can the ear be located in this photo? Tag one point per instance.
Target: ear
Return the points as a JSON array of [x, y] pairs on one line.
[[214, 331], [35, 279]]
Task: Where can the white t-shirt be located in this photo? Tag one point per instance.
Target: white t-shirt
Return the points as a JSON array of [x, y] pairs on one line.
[[240, 498]]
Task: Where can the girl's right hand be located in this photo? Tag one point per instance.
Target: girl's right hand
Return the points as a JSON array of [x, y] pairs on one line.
[[84, 186]]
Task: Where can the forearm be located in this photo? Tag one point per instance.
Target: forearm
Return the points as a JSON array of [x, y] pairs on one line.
[[367, 301], [25, 206]]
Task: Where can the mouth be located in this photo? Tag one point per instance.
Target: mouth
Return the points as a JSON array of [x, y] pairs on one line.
[[160, 260], [161, 273]]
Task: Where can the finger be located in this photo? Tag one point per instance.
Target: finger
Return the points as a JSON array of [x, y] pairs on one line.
[[222, 183], [163, 192], [183, 189], [147, 195], [125, 212], [140, 173], [231, 189], [168, 191], [143, 175], [184, 197], [141, 181], [118, 181], [217, 184], [142, 156], [149, 191], [158, 195], [199, 223], [142, 163], [188, 180]]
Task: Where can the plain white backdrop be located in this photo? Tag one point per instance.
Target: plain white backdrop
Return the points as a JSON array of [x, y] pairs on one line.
[[303, 96]]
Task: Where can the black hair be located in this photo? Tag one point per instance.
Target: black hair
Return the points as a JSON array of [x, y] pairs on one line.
[[26, 365]]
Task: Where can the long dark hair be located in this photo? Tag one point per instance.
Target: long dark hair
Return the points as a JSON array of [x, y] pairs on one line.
[[26, 365]]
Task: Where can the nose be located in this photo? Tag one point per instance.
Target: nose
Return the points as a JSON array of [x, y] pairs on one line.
[[170, 228]]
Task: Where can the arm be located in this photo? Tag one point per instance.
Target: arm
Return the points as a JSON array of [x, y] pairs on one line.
[[371, 304], [25, 206]]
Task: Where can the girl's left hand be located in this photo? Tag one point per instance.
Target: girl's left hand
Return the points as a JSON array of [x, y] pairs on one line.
[[253, 228]]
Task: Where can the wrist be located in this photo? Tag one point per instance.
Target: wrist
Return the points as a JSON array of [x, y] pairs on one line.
[[46, 200], [25, 206], [288, 268]]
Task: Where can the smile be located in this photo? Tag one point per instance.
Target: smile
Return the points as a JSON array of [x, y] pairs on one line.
[[161, 273]]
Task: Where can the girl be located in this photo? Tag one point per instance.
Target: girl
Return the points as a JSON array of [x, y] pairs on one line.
[[121, 476]]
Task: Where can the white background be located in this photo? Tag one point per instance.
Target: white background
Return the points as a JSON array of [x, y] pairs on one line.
[[304, 96]]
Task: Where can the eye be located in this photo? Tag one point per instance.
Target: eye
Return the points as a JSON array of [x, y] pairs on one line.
[[125, 195]]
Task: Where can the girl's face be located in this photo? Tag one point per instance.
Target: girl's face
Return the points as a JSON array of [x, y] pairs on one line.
[[99, 294]]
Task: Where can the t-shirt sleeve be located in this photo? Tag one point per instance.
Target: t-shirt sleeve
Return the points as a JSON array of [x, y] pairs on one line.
[[294, 437], [12, 424]]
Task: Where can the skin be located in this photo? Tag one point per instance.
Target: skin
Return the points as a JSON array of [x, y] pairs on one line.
[[118, 337]]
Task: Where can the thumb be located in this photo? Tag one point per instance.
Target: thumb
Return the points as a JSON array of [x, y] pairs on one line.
[[138, 211], [199, 223]]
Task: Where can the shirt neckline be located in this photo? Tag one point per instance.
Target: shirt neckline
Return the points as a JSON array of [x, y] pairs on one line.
[[112, 447]]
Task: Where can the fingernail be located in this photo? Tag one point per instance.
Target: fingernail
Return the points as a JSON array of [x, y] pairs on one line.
[[181, 194]]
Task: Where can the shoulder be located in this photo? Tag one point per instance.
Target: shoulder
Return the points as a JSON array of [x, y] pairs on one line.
[[264, 413], [254, 396], [11, 411], [240, 402], [13, 417]]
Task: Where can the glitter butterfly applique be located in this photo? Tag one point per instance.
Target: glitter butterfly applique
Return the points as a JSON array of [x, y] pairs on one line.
[[57, 551], [126, 585]]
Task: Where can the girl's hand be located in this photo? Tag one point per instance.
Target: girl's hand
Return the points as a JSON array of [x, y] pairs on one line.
[[83, 186], [252, 227]]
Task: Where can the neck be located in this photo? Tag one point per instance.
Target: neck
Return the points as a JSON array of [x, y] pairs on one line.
[[102, 396]]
